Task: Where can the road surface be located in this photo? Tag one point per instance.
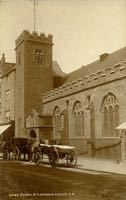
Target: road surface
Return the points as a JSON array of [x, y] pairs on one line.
[[25, 181]]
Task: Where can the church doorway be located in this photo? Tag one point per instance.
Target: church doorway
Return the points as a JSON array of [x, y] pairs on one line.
[[32, 134]]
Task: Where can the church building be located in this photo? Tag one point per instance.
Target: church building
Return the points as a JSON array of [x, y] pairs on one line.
[[81, 109]]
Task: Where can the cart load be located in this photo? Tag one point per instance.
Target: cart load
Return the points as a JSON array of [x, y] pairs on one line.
[[55, 153]]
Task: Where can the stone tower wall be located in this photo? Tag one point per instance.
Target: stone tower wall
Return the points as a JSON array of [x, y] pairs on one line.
[[33, 77]]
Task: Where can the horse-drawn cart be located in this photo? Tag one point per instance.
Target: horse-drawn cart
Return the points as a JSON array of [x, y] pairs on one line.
[[55, 153], [15, 147]]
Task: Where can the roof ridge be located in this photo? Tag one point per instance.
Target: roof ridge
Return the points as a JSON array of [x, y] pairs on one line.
[[96, 65]]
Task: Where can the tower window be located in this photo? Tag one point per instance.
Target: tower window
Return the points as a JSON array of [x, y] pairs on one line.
[[38, 54]]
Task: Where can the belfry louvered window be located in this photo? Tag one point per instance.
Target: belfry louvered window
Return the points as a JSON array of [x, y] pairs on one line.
[[38, 55], [110, 110]]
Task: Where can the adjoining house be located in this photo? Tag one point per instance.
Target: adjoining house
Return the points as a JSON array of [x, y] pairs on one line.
[[82, 108]]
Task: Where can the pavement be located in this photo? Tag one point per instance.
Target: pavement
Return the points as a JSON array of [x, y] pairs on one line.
[[99, 165], [94, 165]]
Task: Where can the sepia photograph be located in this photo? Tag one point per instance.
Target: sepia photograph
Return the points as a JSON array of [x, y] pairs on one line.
[[62, 99]]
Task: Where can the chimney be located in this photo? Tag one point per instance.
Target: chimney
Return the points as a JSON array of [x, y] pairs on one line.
[[103, 56], [3, 60]]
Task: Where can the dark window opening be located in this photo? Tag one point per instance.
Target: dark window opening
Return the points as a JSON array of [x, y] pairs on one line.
[[38, 55]]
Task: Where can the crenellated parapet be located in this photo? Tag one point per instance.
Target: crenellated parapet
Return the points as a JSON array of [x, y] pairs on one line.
[[34, 36], [101, 77]]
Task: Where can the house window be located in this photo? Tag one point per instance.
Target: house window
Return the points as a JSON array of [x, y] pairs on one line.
[[78, 120], [38, 55], [7, 116], [110, 110], [7, 100], [7, 95], [57, 122]]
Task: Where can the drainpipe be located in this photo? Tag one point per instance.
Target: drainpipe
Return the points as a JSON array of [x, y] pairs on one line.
[[90, 107], [67, 122], [92, 128]]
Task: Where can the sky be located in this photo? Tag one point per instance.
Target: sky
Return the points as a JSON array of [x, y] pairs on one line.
[[82, 29]]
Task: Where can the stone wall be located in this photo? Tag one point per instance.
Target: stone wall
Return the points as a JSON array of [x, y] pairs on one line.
[[19, 92], [33, 77], [97, 89], [7, 84], [113, 73], [34, 36]]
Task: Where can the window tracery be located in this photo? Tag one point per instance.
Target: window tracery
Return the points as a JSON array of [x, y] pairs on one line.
[[78, 120], [110, 111], [57, 122]]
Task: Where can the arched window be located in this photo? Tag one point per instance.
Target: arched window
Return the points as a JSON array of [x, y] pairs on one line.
[[57, 122], [110, 110], [78, 120]]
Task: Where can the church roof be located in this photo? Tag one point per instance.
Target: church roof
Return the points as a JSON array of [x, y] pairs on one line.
[[57, 70], [8, 68], [121, 126], [105, 61]]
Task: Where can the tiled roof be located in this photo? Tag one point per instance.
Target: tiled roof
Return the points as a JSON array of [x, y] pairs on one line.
[[110, 60], [7, 68]]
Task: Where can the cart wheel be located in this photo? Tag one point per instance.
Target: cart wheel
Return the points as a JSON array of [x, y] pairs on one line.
[[71, 159], [38, 158], [6, 155], [15, 153], [52, 159]]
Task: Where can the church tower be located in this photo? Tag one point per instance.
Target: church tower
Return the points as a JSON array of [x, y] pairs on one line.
[[33, 75]]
